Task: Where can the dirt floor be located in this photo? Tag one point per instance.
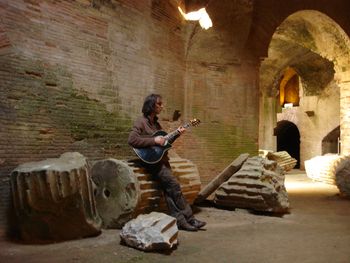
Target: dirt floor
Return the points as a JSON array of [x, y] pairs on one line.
[[316, 231]]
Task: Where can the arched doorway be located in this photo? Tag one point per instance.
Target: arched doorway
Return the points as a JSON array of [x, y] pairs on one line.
[[288, 139], [289, 88], [330, 143]]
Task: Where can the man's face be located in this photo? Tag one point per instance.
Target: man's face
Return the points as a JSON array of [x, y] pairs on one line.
[[159, 106]]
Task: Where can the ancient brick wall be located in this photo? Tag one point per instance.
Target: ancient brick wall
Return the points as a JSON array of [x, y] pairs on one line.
[[73, 75], [221, 89], [225, 99]]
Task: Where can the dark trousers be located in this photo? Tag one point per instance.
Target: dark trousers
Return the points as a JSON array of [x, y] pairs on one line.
[[176, 202]]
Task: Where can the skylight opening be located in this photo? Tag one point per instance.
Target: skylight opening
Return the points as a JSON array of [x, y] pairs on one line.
[[201, 16]]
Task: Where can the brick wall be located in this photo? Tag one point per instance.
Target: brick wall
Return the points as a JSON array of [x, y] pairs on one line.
[[221, 89], [225, 99], [73, 76]]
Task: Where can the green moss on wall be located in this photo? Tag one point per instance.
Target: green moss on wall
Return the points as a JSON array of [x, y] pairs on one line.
[[225, 141], [48, 99]]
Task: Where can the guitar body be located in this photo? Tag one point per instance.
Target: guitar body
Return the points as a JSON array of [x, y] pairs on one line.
[[153, 154]]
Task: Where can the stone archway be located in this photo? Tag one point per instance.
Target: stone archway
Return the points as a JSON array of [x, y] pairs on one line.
[[288, 139], [318, 49]]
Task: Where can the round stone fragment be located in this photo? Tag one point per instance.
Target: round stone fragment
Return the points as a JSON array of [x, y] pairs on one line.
[[116, 192]]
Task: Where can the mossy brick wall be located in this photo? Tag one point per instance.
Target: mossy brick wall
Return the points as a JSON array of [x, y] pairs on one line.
[[221, 89], [225, 99], [73, 75]]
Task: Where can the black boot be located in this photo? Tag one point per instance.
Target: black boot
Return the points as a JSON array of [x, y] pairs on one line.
[[183, 225], [197, 223]]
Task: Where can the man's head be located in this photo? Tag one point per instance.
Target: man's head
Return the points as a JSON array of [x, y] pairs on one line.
[[152, 104]]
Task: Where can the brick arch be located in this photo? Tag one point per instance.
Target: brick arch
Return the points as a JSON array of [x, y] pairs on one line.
[[289, 116], [324, 38], [268, 15], [330, 42]]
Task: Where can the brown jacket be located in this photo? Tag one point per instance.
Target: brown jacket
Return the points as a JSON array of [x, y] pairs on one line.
[[142, 131]]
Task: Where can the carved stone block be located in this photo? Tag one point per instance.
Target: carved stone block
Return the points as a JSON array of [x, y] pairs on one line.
[[323, 168], [283, 159], [258, 185], [222, 177], [154, 231], [151, 195], [54, 199]]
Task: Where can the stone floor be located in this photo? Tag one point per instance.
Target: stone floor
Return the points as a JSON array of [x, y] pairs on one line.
[[316, 231]]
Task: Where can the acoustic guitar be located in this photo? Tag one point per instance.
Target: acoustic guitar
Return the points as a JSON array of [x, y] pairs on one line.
[[154, 154]]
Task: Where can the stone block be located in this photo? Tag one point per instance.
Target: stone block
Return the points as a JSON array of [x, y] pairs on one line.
[[54, 199], [154, 231], [258, 186]]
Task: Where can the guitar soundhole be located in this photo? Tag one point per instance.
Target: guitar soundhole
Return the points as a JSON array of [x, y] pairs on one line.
[[106, 193]]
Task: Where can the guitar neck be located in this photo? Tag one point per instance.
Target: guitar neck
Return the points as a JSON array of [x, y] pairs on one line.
[[172, 136]]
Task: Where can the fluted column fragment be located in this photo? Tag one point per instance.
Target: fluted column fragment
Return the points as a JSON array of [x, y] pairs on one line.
[[258, 185], [54, 199]]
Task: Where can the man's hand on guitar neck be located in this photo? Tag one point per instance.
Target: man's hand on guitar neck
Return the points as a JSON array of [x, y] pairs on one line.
[[181, 130], [161, 140]]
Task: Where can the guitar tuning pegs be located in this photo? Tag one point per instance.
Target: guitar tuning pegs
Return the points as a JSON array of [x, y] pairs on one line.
[[195, 122]]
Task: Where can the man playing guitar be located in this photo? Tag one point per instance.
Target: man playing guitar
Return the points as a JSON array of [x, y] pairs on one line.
[[141, 137]]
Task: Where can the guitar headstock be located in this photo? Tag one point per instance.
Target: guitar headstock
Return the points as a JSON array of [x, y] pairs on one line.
[[195, 122]]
